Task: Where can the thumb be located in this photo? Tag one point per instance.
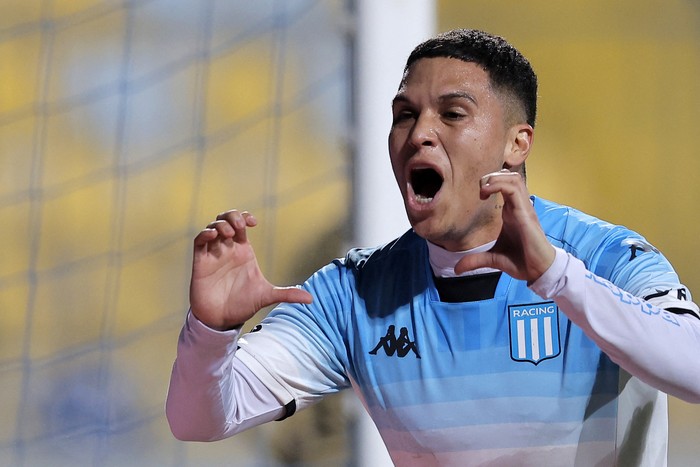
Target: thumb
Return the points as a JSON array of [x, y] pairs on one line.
[[291, 295], [486, 259]]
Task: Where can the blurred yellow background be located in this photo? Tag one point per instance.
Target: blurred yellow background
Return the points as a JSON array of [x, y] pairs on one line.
[[125, 127]]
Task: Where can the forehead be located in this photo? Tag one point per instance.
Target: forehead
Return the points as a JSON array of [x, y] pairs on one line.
[[442, 74]]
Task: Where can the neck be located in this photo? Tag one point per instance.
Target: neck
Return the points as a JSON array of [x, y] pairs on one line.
[[443, 262]]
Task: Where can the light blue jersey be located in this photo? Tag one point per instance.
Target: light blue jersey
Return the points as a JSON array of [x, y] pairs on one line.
[[504, 381]]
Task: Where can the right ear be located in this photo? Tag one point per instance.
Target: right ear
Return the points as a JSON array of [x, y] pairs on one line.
[[518, 145]]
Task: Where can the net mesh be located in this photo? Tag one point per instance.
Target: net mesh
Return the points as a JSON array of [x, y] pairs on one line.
[[125, 127]]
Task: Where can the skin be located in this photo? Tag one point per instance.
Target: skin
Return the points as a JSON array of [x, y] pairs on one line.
[[447, 117], [227, 287]]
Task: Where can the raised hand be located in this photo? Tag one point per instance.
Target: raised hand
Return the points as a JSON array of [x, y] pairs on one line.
[[521, 250], [227, 287]]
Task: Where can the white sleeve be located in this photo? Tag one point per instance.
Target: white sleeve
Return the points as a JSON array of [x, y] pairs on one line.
[[660, 347], [212, 394]]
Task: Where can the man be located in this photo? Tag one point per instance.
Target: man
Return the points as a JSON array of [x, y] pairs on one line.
[[502, 329]]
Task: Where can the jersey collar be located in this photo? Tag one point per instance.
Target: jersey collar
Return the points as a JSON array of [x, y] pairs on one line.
[[443, 262]]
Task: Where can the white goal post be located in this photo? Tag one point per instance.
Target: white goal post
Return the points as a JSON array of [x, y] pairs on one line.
[[387, 30]]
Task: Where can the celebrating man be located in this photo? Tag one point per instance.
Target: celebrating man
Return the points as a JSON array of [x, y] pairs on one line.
[[502, 329]]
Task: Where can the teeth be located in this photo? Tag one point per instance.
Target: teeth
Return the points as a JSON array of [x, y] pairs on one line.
[[423, 199]]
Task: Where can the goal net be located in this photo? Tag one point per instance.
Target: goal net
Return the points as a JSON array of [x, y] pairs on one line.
[[125, 127]]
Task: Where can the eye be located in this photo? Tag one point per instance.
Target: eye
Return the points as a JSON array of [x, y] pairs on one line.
[[453, 114], [403, 115]]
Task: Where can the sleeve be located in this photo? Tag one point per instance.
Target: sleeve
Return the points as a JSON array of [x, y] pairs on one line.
[[660, 347], [301, 349], [223, 383], [212, 394]]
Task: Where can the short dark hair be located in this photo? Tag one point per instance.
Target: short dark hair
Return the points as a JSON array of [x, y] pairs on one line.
[[509, 71]]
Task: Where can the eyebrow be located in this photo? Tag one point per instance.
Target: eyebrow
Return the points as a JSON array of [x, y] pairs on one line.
[[401, 98], [457, 95]]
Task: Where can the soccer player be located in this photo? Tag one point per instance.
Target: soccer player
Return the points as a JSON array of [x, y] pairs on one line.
[[502, 329]]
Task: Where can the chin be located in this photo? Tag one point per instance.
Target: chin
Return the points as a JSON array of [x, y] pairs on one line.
[[429, 232]]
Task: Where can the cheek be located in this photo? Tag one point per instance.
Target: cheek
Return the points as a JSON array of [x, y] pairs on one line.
[[395, 145], [397, 138], [486, 155], [396, 167]]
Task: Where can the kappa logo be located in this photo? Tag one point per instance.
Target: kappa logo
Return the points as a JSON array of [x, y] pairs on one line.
[[534, 332], [636, 245], [391, 344]]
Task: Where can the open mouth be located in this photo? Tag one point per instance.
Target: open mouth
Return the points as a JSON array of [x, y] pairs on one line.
[[425, 183]]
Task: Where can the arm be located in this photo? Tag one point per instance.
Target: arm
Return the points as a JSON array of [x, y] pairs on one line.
[[659, 347], [650, 343], [212, 394], [223, 383]]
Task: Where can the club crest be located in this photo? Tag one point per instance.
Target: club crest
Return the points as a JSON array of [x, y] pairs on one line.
[[534, 332]]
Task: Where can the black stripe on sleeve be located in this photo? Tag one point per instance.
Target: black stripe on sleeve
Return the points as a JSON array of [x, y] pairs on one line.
[[682, 311], [289, 410]]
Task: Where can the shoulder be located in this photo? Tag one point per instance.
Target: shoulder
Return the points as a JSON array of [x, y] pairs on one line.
[[398, 250], [584, 235], [611, 251], [570, 225], [386, 276], [371, 265], [381, 276]]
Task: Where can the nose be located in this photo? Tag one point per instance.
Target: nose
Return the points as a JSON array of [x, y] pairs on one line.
[[424, 131]]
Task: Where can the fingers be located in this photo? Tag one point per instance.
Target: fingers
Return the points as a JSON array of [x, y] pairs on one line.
[[228, 225], [238, 219], [291, 295], [509, 184], [204, 237], [522, 250], [517, 206], [233, 224], [486, 259]]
